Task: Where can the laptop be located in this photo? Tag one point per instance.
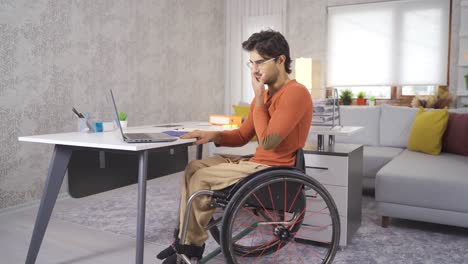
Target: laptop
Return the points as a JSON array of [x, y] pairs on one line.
[[140, 137]]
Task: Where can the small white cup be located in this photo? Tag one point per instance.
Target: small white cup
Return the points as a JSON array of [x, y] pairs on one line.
[[123, 124]]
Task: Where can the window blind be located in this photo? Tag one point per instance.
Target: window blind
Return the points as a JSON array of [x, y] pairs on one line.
[[388, 43]]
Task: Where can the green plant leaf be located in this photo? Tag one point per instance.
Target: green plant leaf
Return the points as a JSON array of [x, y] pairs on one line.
[[122, 116], [346, 94]]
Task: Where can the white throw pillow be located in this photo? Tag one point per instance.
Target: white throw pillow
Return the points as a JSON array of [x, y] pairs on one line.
[[395, 125], [364, 116]]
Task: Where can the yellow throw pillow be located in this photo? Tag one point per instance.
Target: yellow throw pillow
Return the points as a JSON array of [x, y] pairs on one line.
[[241, 110], [427, 131]]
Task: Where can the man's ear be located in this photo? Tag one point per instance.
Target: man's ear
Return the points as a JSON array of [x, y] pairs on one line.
[[282, 59]]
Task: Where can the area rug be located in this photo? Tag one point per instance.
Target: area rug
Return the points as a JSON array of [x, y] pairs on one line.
[[403, 242]]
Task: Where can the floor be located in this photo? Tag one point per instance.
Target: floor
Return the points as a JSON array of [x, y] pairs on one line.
[[100, 229], [66, 242]]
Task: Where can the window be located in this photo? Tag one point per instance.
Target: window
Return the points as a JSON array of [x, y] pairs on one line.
[[380, 45], [410, 90]]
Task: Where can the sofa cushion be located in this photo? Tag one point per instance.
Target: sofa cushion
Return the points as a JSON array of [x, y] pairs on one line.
[[395, 125], [365, 116], [422, 180], [374, 158], [455, 138], [427, 131]]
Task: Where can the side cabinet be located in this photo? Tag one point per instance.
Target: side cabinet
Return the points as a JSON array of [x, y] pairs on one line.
[[339, 170]]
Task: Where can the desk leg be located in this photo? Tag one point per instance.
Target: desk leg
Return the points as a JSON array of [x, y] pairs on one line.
[[142, 173], [199, 151], [57, 168]]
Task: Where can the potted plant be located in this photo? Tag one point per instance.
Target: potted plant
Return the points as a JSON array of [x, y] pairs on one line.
[[372, 101], [123, 119], [361, 98], [346, 97]]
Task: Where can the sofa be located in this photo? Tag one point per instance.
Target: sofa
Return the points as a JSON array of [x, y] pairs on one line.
[[407, 184]]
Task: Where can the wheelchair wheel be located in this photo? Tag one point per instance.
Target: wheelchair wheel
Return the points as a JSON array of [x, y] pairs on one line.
[[266, 218]]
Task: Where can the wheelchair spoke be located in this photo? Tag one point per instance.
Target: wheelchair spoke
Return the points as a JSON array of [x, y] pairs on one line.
[[254, 215], [288, 247], [272, 203], [316, 228], [263, 206], [308, 249], [297, 252], [277, 251], [285, 198], [261, 247], [299, 190], [312, 213], [297, 219]]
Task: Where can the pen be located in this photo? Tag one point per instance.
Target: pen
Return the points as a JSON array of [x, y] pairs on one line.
[[78, 114]]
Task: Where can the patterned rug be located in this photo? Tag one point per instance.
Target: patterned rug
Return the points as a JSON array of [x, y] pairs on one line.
[[403, 242]]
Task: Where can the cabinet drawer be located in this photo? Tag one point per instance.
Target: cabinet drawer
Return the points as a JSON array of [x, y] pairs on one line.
[[339, 194], [319, 229], [327, 169]]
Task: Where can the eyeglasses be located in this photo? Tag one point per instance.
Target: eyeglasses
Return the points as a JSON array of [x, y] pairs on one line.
[[257, 63]]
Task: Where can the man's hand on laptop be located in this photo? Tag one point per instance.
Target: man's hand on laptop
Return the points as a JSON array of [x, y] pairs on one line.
[[203, 136]]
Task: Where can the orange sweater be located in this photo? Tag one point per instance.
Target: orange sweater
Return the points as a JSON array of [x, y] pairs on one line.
[[281, 126]]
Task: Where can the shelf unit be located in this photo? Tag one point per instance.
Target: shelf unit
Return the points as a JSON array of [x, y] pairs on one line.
[[327, 110]]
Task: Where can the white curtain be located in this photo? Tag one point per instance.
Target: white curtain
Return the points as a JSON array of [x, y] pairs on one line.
[[390, 43], [243, 18]]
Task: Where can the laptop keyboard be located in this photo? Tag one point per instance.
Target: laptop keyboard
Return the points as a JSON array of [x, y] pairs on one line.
[[146, 136]]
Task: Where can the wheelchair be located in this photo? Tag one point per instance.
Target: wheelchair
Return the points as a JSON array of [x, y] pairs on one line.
[[276, 215]]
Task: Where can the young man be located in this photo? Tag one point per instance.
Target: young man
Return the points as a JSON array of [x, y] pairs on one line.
[[280, 117]]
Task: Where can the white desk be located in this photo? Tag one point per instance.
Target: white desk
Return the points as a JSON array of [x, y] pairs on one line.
[[67, 143], [320, 131]]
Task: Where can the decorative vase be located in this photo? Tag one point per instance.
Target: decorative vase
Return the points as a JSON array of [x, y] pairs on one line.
[[123, 124], [361, 101], [372, 103]]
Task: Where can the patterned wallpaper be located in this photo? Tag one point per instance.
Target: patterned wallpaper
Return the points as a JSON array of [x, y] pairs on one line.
[[163, 59]]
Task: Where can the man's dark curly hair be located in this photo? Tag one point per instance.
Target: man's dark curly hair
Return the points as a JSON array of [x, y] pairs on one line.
[[269, 44]]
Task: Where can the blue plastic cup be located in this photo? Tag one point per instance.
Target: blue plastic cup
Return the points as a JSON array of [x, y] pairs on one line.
[[98, 127]]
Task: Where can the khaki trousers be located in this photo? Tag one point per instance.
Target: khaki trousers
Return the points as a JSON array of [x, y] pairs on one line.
[[213, 173]]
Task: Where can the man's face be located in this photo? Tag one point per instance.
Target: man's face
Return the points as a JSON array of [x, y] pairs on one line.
[[267, 66]]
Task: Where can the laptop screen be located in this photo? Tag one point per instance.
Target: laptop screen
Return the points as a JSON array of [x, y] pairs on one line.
[[116, 117]]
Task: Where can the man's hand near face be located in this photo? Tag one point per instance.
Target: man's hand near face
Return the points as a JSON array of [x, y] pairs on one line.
[[258, 85], [203, 136]]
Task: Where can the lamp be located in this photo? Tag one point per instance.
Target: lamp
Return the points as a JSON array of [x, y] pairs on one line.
[[308, 74]]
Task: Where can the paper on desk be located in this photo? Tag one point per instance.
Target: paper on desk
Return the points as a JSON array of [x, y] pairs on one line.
[[175, 133]]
